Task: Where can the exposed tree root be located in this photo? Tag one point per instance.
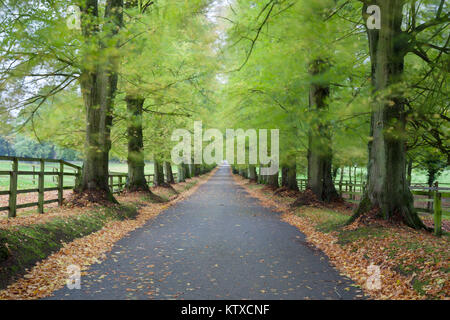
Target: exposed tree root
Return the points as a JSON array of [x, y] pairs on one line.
[[286, 192], [143, 194], [167, 186], [269, 187], [367, 214], [90, 198], [137, 188], [307, 198]]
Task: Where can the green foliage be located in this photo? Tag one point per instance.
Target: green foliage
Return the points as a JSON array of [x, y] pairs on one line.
[[239, 65]]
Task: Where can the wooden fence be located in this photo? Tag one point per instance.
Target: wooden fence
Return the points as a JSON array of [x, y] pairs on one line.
[[435, 195], [117, 182], [15, 173]]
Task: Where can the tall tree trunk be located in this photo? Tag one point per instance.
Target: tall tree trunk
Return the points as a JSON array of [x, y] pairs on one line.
[[158, 179], [252, 173], [292, 183], [261, 177], [169, 174], [289, 177], [431, 177], [192, 170], [98, 86], [320, 180], [350, 183], [197, 169], [335, 172], [186, 171], [272, 180], [387, 186], [136, 164], [181, 173], [284, 176], [409, 172]]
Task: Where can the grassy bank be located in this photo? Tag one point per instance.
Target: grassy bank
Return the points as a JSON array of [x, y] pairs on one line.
[[22, 246]]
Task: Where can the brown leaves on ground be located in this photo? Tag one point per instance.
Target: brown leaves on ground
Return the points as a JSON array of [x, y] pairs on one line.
[[285, 192], [32, 197], [413, 264], [36, 218], [429, 222], [307, 198], [51, 273], [90, 198]]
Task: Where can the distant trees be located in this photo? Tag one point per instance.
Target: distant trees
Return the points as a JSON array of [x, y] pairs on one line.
[[22, 146]]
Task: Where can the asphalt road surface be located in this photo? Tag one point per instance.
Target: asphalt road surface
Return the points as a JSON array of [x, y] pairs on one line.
[[218, 244]]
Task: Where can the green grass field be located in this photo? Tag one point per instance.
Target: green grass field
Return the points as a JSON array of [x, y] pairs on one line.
[[30, 182]]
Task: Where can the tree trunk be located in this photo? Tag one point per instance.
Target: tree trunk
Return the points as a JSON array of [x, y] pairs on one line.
[[98, 86], [252, 173], [350, 183], [409, 172], [431, 177], [198, 169], [320, 180], [186, 171], [292, 177], [181, 173], [169, 174], [261, 177], [335, 172], [387, 186], [284, 176], [289, 177], [136, 176], [272, 180], [158, 179]]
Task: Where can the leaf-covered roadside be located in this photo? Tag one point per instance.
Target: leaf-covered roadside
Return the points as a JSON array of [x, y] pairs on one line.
[[51, 273], [413, 264], [22, 246]]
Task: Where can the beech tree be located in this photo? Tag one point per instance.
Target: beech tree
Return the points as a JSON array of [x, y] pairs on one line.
[[387, 186]]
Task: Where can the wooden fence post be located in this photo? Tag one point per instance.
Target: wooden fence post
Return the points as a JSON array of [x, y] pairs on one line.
[[41, 187], [111, 183], [78, 178], [61, 183], [120, 183], [437, 211], [13, 189]]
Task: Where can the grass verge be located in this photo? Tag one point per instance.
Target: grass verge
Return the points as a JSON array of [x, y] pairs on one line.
[[22, 246]]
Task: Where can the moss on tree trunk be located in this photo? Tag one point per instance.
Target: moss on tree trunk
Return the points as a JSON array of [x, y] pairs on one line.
[[320, 180], [387, 186], [136, 164]]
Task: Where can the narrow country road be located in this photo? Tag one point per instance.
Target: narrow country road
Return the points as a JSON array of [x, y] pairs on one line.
[[218, 244]]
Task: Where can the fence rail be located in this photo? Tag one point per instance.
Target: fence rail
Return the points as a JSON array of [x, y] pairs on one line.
[[15, 173], [435, 196], [117, 182]]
